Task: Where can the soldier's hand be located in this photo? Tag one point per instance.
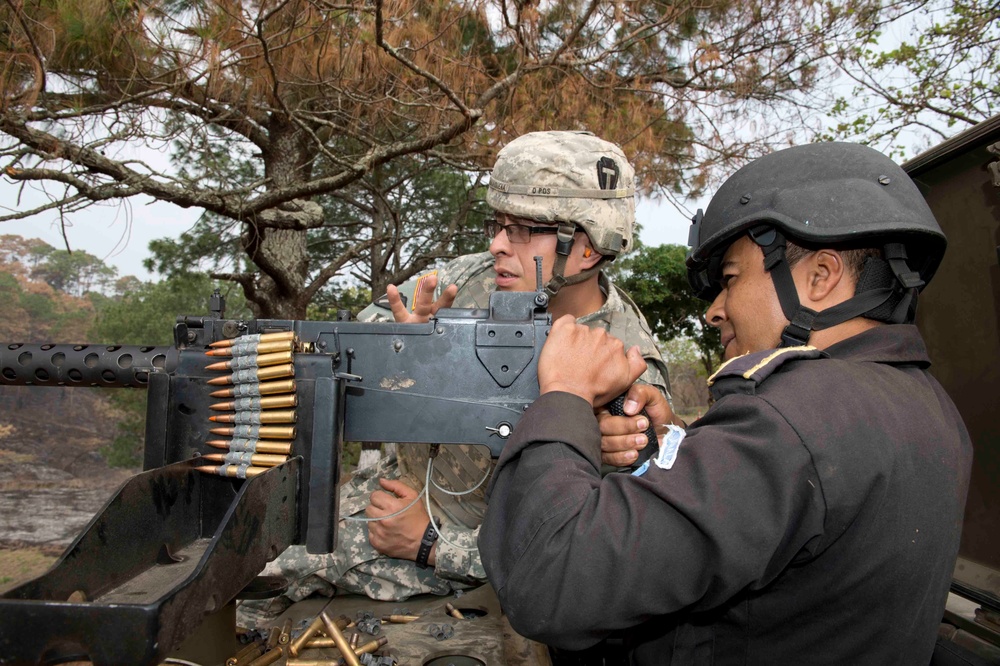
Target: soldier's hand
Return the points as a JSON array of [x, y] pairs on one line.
[[424, 304], [400, 535], [622, 437], [587, 362]]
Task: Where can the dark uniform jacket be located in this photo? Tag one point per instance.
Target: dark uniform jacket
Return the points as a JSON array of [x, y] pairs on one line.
[[811, 517]]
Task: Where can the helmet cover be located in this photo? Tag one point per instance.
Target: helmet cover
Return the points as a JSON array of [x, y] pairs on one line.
[[561, 176]]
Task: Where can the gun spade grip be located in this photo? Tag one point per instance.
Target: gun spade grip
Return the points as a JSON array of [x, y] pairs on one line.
[[616, 408]]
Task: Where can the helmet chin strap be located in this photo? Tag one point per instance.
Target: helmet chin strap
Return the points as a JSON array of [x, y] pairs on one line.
[[564, 245], [803, 321]]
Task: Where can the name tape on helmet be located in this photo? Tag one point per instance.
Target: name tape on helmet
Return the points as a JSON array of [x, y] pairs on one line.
[[565, 192]]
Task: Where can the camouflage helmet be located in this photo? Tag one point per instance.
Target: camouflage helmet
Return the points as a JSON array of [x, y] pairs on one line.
[[575, 177]]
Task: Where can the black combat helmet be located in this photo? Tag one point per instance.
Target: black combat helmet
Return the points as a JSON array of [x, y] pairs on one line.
[[838, 195]]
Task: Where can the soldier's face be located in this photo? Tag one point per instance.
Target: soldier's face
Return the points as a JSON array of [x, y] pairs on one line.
[[747, 311], [514, 262]]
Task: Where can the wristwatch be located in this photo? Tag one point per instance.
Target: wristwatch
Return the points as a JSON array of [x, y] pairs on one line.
[[426, 542]]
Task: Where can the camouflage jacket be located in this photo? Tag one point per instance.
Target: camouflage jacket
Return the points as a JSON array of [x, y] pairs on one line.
[[459, 468]]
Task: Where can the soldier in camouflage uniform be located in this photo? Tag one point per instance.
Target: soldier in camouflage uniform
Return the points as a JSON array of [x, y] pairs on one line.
[[566, 196]]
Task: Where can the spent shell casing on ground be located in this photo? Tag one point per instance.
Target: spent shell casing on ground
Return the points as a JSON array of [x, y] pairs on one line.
[[254, 404], [252, 445], [254, 389], [454, 612], [355, 639], [258, 337], [246, 655], [247, 348], [234, 471], [245, 458], [371, 646], [399, 619], [268, 657], [255, 375], [313, 662], [256, 432], [286, 633], [252, 361], [333, 631], [299, 643], [272, 638], [256, 418]]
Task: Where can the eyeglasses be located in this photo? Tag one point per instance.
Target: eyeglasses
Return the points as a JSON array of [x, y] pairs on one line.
[[516, 233]]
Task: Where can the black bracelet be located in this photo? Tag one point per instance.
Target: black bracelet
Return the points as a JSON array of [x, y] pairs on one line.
[[426, 542]]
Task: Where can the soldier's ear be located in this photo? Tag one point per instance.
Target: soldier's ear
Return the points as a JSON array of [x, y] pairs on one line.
[[590, 257]]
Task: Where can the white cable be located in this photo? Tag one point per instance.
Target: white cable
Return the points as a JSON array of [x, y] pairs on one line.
[[427, 500]]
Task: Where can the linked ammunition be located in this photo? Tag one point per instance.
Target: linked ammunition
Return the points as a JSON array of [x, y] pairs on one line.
[[399, 619], [259, 337], [234, 471], [268, 657], [252, 445], [252, 361], [244, 458], [254, 404], [255, 375], [300, 642], [244, 656], [334, 632], [454, 612], [244, 349], [251, 389], [256, 418], [256, 432]]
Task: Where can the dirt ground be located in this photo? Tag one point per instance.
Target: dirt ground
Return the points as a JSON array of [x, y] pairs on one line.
[[52, 476]]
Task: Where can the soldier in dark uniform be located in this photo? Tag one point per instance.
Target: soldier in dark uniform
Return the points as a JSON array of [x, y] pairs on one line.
[[813, 515]]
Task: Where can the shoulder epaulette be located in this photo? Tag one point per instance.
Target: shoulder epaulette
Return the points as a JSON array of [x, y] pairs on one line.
[[744, 373]]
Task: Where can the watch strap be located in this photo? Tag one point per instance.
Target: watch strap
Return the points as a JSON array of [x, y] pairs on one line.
[[426, 543]]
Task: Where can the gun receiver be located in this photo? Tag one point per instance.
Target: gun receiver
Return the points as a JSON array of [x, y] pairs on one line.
[[174, 544]]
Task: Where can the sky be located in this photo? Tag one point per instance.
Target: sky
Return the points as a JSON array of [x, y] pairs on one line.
[[119, 234]]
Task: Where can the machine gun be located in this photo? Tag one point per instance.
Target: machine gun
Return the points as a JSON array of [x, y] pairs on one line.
[[175, 544]]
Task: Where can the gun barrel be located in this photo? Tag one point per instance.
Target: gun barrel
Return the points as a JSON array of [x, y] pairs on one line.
[[107, 366]]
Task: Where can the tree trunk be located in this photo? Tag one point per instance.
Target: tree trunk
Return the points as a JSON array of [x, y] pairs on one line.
[[281, 254]]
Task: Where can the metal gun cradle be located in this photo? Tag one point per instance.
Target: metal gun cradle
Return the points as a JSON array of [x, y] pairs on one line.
[[175, 544]]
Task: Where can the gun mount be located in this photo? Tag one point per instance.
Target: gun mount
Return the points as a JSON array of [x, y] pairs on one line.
[[175, 544]]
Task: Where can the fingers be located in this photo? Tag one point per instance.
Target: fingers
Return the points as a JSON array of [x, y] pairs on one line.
[[622, 437], [424, 305], [648, 397], [398, 488], [399, 312]]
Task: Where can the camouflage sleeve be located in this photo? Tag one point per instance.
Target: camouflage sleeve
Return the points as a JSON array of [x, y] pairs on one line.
[[459, 564]]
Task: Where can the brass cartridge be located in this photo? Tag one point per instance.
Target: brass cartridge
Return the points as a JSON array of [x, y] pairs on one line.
[[244, 656], [244, 458], [268, 657], [454, 612], [233, 471], [252, 445], [255, 432], [399, 619], [259, 337], [255, 404], [255, 375], [252, 361], [256, 418], [338, 637], [249, 348], [250, 390], [299, 643]]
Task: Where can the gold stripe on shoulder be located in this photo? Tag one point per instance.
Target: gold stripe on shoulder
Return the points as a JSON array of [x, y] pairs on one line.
[[711, 380], [770, 357]]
